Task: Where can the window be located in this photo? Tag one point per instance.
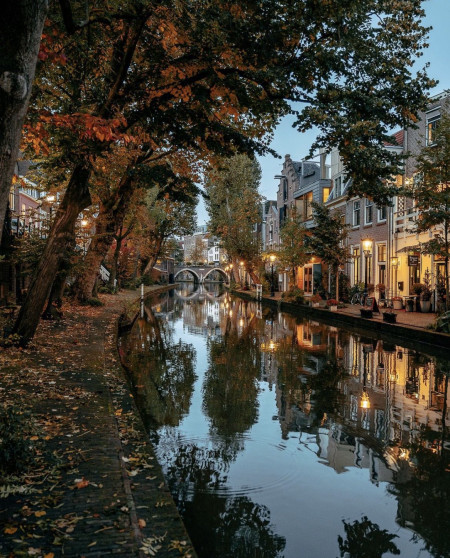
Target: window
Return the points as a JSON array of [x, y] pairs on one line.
[[381, 252], [368, 217], [308, 279], [12, 200], [382, 213], [326, 194], [356, 265], [308, 206], [356, 213], [432, 124]]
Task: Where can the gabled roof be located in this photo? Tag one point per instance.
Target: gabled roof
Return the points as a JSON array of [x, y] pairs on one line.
[[399, 138]]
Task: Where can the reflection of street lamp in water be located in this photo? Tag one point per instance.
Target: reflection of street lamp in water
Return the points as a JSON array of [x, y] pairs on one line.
[[272, 258]]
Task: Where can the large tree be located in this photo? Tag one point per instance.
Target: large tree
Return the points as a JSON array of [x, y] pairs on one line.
[[293, 252], [210, 77], [328, 240], [234, 204], [21, 26], [430, 190]]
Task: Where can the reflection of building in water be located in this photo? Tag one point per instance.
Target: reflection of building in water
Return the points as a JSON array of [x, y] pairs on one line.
[[390, 396]]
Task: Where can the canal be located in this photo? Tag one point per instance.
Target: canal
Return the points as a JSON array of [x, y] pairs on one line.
[[284, 437]]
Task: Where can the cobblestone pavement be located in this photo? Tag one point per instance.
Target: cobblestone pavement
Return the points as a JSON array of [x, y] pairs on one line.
[[93, 486]]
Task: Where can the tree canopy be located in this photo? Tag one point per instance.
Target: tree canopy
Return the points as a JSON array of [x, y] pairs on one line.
[[234, 206]]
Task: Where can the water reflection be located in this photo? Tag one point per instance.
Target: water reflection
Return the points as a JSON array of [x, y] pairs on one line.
[[276, 405]]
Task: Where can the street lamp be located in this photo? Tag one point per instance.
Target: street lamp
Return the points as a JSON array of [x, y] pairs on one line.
[[272, 259], [367, 250], [395, 262]]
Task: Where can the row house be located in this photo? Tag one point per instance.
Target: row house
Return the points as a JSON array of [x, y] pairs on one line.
[[385, 251], [384, 246], [411, 263], [300, 183], [370, 228]]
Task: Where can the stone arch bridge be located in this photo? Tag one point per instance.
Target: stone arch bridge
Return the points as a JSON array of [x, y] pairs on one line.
[[200, 273]]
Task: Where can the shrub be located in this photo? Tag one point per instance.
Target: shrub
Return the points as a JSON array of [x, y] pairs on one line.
[[442, 323], [294, 295], [332, 302], [17, 451], [316, 298], [107, 289]]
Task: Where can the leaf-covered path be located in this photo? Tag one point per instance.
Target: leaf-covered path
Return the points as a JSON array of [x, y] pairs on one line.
[[92, 486]]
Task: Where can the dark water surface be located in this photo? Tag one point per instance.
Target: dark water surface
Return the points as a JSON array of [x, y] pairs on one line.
[[284, 437]]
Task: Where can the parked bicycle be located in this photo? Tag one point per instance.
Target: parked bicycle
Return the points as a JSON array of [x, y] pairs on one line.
[[359, 298]]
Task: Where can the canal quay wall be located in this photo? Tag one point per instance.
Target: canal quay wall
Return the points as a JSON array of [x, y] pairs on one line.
[[96, 488], [412, 332]]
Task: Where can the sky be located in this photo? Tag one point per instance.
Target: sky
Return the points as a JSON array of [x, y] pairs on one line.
[[287, 140]]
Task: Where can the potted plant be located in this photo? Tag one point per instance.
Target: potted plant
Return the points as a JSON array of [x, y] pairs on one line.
[[332, 304], [315, 300], [425, 293], [417, 288], [397, 302]]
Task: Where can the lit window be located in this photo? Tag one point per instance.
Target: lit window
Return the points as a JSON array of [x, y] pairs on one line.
[[326, 194], [381, 252], [432, 125]]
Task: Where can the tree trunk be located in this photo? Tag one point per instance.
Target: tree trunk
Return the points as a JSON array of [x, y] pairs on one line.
[[21, 25], [56, 295], [154, 257], [60, 241], [109, 220], [113, 276]]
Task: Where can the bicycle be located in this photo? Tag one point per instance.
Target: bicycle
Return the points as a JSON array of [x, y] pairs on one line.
[[359, 298]]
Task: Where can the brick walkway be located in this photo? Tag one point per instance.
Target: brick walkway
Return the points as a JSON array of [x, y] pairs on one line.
[[409, 319], [96, 488]]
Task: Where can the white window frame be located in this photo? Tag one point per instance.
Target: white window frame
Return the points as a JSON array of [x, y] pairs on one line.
[[381, 219], [368, 205]]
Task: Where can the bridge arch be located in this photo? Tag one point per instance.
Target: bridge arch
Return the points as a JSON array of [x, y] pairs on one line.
[[196, 276], [220, 270]]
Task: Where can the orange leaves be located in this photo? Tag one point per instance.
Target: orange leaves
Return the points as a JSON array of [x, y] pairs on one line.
[[51, 50], [85, 126], [81, 483]]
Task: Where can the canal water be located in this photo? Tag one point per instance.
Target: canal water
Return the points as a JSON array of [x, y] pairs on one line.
[[284, 437]]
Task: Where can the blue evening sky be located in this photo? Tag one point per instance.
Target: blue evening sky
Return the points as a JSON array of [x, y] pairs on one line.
[[288, 141]]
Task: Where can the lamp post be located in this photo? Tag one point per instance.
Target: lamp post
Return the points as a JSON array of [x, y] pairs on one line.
[[50, 199], [367, 250], [272, 259], [394, 264], [84, 225]]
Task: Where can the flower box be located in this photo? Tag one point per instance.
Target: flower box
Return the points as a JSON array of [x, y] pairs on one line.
[[397, 303], [365, 313], [333, 308], [390, 317]]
